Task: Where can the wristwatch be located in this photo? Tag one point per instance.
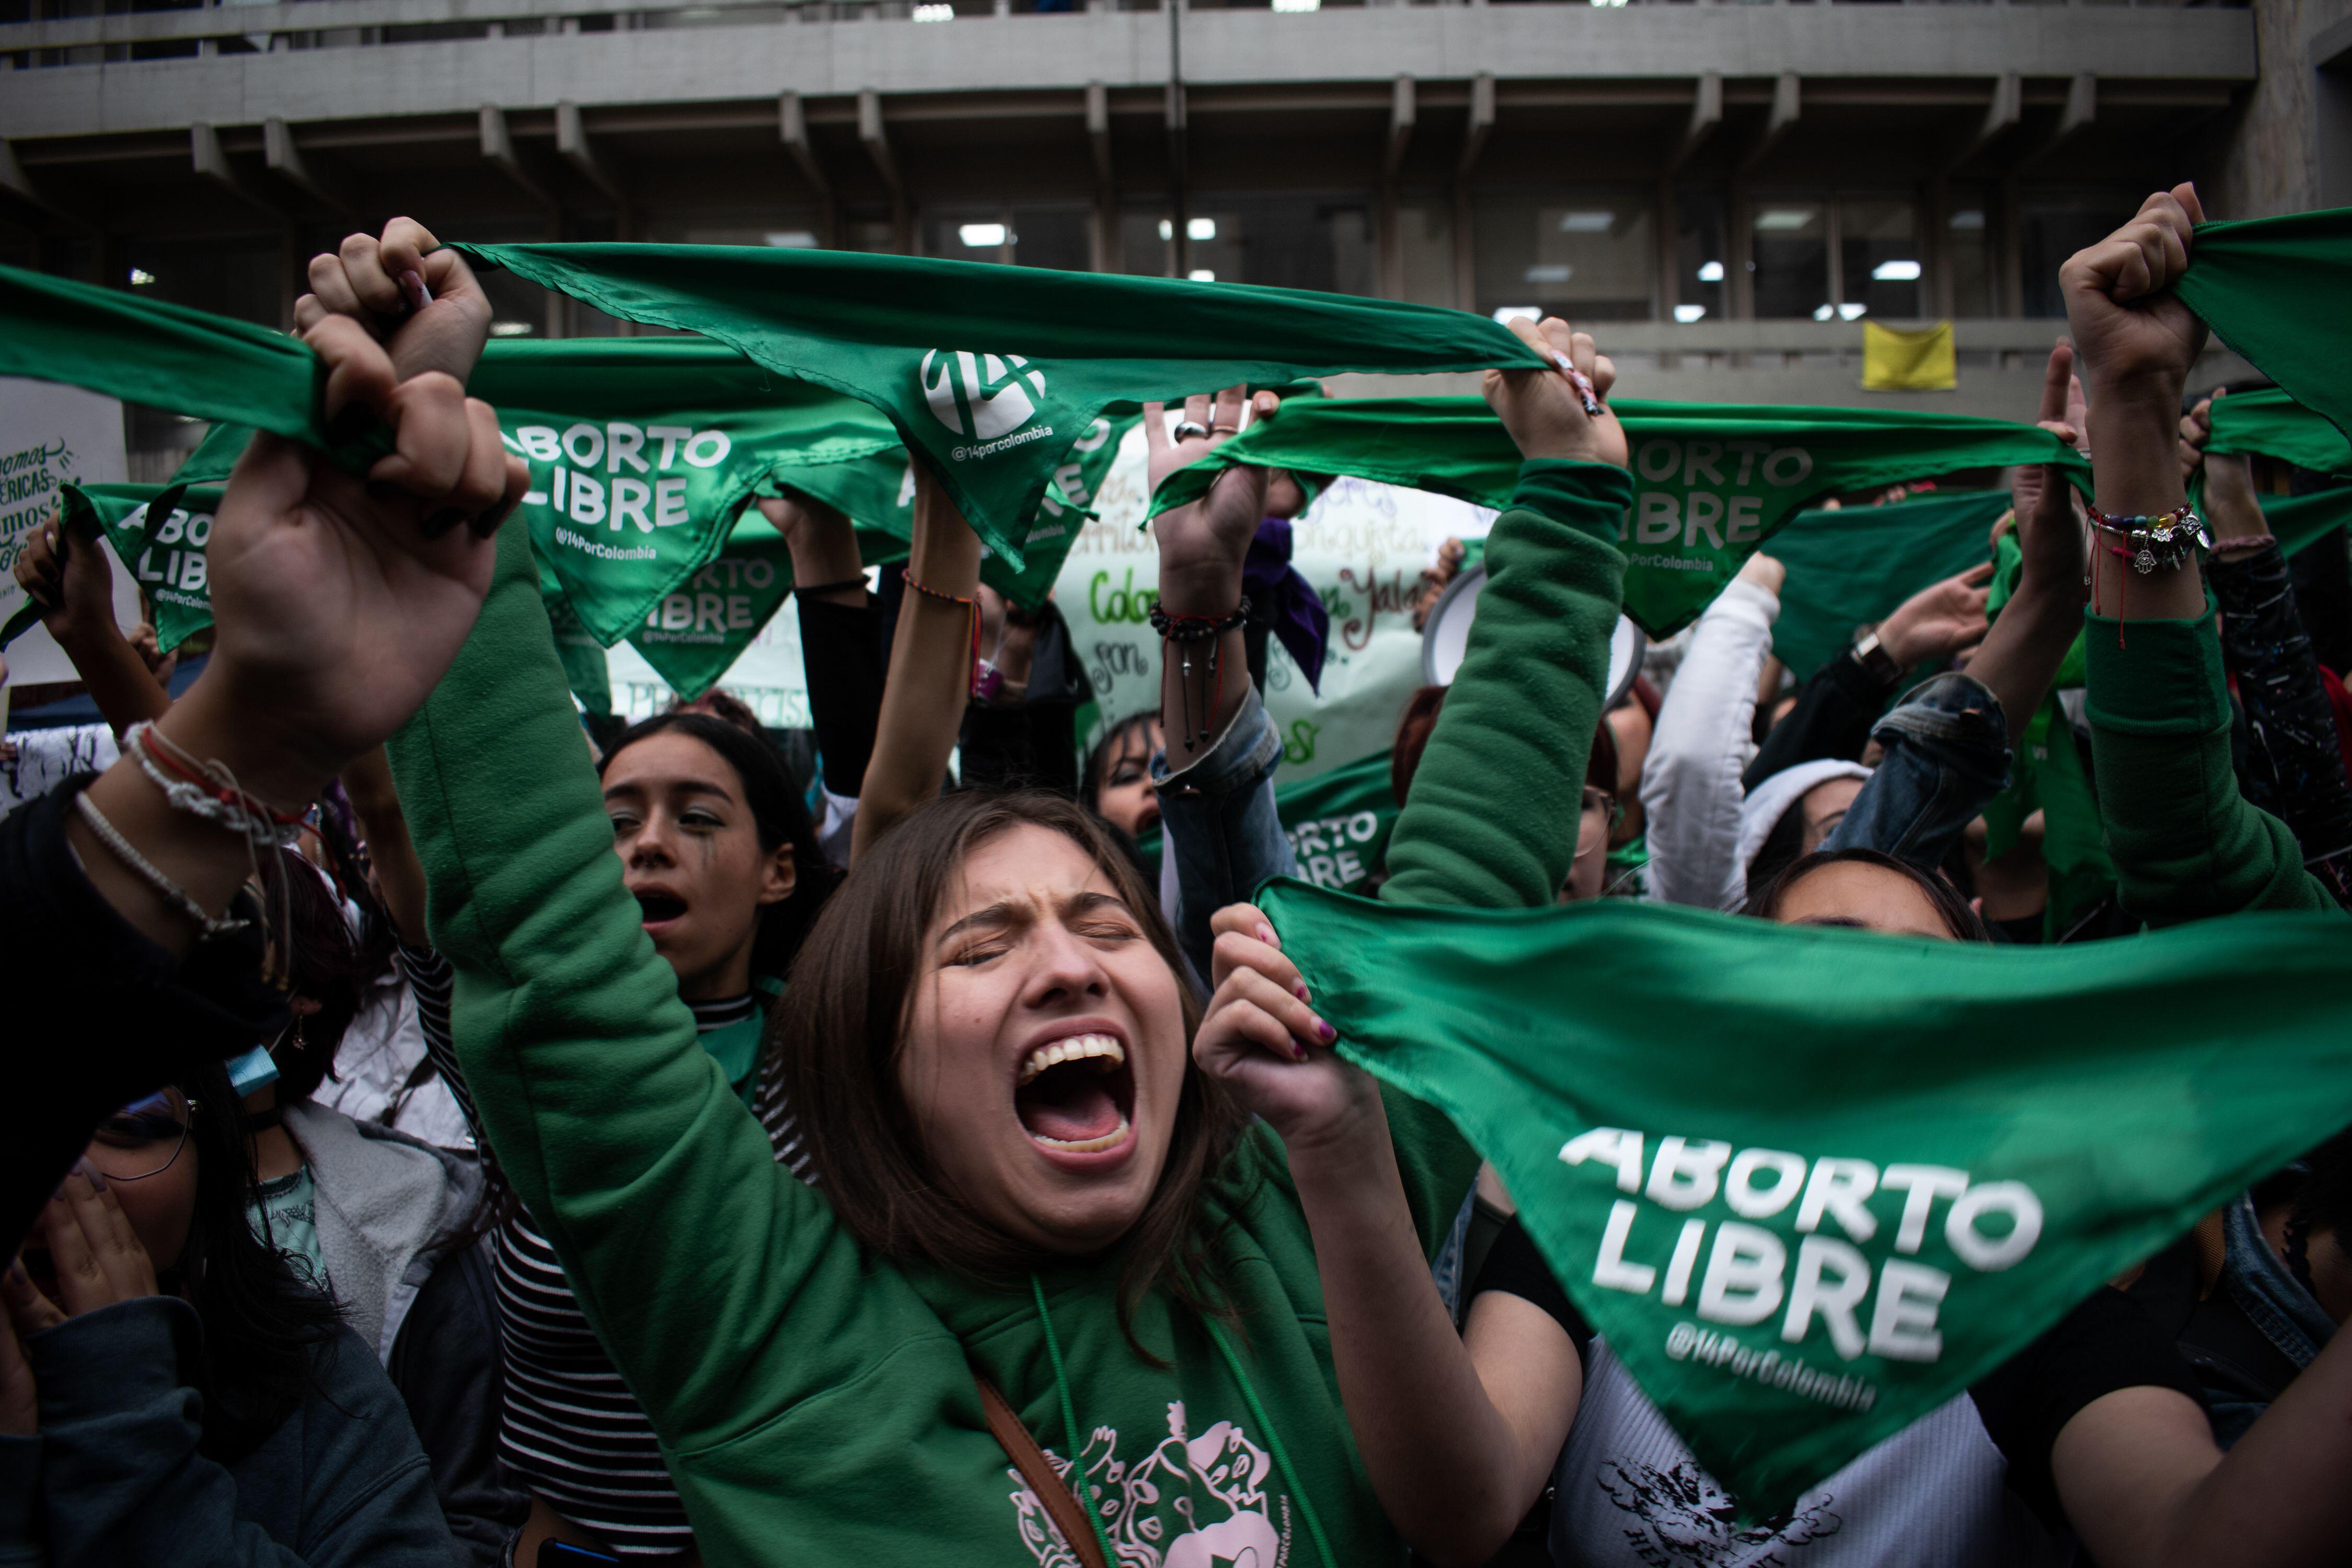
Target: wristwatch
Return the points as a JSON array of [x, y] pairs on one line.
[[1873, 656]]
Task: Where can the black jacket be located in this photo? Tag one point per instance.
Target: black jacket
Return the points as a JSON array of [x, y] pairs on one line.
[[115, 1476]]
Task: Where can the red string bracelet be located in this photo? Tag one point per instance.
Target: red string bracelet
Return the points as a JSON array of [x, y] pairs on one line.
[[972, 685]]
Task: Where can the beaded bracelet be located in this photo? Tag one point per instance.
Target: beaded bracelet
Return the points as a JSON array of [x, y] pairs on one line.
[[144, 870], [1184, 631], [2166, 539]]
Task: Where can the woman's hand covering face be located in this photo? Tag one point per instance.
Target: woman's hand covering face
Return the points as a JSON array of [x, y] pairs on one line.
[[1044, 1051]]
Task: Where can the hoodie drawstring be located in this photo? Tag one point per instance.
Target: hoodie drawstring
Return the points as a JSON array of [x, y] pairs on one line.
[[1249, 1396], [1079, 1487]]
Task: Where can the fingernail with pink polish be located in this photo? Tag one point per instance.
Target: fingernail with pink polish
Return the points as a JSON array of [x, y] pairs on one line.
[[411, 286], [1266, 933], [1300, 991], [1327, 1031], [90, 1173]]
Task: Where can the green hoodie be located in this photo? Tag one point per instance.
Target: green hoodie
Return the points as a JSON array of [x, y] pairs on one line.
[[817, 1405], [2186, 844]]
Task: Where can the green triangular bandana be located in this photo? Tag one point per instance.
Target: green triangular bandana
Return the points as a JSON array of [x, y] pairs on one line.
[[166, 554], [2264, 286], [642, 451], [991, 373], [1711, 482], [1811, 1183], [1858, 563], [2274, 425]]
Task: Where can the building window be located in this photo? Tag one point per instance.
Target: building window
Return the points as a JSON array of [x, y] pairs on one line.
[[1878, 247], [1425, 252], [1285, 241], [1968, 256], [1585, 254], [1699, 256], [1018, 236], [2049, 228], [1791, 258]]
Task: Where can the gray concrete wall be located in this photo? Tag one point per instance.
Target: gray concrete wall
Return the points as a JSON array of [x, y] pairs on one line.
[[2273, 160], [1067, 52]]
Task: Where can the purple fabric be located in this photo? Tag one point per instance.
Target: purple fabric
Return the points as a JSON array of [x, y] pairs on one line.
[[1282, 599]]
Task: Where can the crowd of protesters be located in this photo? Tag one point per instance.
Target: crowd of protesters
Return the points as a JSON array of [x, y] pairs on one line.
[[680, 1146]]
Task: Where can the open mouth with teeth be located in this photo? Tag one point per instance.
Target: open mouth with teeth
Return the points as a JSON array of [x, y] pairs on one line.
[[1076, 1095]]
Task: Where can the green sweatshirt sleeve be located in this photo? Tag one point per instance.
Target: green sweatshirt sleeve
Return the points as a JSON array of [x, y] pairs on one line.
[[1493, 814], [1491, 818], [2187, 844], [687, 1245]]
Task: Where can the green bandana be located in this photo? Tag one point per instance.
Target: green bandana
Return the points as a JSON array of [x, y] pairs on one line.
[[642, 452], [1857, 563], [2273, 425], [879, 491], [169, 356], [695, 633], [1805, 1211], [993, 373], [2264, 286], [1710, 483], [167, 557]]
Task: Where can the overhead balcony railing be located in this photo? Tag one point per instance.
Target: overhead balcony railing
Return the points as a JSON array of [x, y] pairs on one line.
[[243, 29]]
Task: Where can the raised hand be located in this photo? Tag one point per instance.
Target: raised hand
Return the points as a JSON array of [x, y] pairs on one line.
[[1202, 546], [339, 601], [1544, 409], [422, 303], [1261, 1038], [2136, 337], [71, 580], [2049, 534], [1938, 621]]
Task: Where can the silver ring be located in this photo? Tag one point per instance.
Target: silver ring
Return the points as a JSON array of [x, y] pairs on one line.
[[1187, 430]]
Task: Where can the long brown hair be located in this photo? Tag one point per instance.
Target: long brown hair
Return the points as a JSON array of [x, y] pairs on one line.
[[840, 1028]]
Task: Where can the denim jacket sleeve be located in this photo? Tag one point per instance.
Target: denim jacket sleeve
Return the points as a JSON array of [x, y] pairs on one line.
[[1947, 755], [1217, 821]]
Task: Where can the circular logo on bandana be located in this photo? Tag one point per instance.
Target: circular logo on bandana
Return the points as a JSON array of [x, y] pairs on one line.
[[981, 396]]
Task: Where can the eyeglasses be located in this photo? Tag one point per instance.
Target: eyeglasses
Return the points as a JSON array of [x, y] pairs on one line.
[[143, 1138], [1597, 801]]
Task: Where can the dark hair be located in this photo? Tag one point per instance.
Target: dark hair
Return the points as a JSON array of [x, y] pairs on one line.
[[779, 816], [323, 965], [725, 707], [1108, 749], [840, 1028], [261, 1322], [1958, 916], [1412, 732]]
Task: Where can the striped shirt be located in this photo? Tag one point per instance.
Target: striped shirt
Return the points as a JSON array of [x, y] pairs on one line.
[[572, 1433]]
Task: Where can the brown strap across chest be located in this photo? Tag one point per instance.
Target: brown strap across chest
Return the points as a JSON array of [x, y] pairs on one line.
[[1062, 1506]]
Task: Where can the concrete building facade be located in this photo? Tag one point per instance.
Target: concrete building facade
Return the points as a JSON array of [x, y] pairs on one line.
[[1725, 191]]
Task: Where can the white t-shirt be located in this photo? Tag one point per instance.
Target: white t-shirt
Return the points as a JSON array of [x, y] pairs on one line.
[[1629, 1495]]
